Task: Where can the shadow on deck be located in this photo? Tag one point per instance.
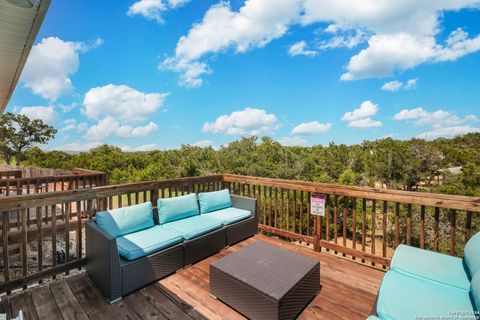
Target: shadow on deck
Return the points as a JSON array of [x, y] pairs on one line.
[[348, 291]]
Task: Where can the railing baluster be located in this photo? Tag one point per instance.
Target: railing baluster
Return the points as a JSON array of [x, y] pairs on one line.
[[335, 220], [344, 224], [453, 226], [294, 213], [397, 226], [276, 208], [468, 226], [327, 218], [270, 206], [422, 227], [354, 223], [409, 224], [436, 228], [38, 214], [6, 260], [301, 213], [384, 229], [282, 206], [374, 226], [24, 243], [54, 236]]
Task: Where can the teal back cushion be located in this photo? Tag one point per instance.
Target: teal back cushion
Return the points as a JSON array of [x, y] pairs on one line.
[[216, 200], [471, 254], [122, 221], [171, 209], [475, 290]]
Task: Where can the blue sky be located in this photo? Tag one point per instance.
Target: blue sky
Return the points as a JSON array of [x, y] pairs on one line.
[[155, 74]]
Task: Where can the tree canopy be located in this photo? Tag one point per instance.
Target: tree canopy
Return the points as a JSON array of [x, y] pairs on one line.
[[395, 164], [18, 134]]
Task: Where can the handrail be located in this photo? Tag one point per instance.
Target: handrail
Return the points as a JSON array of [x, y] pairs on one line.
[[413, 197]]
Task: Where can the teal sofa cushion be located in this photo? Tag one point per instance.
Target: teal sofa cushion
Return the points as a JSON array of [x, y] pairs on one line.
[[475, 290], [141, 243], [431, 266], [404, 297], [121, 221], [228, 215], [176, 208], [471, 254], [193, 227], [216, 200]]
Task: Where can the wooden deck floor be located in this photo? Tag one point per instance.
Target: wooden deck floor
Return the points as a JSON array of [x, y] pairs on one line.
[[348, 291]]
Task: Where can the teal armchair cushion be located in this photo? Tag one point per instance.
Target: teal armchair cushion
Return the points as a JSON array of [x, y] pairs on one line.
[[142, 243], [404, 297], [471, 254], [176, 208], [216, 200], [475, 290], [431, 266], [121, 221], [193, 227], [228, 215]]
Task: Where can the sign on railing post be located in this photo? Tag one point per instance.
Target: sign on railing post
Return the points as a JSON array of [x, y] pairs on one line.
[[317, 204]]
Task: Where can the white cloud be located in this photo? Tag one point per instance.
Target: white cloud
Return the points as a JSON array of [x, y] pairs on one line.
[[447, 132], [364, 123], [471, 117], [121, 102], [392, 85], [400, 34], [128, 131], [436, 119], [253, 26], [411, 83], [46, 114], [406, 114], [367, 109], [51, 63], [72, 125], [292, 141], [311, 128], [361, 117], [77, 146], [203, 143], [109, 126], [300, 49], [145, 147], [153, 9], [247, 121], [397, 85]]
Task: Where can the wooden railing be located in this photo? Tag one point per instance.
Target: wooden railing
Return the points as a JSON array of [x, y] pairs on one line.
[[10, 174], [363, 224], [52, 240]]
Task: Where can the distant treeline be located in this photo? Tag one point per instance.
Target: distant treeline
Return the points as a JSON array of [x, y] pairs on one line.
[[396, 164]]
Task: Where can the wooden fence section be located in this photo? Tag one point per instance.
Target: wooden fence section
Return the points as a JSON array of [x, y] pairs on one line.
[[363, 223], [54, 242], [10, 174]]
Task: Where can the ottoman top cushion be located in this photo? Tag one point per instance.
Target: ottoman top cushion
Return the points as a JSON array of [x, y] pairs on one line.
[[269, 269]]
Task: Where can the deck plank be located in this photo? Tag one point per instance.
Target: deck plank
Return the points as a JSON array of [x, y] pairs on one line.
[[348, 289], [45, 304], [145, 310], [23, 302], [168, 309], [5, 308], [67, 302]]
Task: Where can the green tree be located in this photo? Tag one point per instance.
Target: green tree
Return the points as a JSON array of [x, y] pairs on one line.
[[18, 134]]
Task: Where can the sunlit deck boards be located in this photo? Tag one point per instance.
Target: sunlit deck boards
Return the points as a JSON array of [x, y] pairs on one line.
[[348, 289], [348, 292]]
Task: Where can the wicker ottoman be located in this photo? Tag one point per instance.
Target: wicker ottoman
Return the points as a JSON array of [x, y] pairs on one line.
[[263, 281]]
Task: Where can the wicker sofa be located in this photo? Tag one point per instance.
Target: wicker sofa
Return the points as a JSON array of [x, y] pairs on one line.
[[130, 247]]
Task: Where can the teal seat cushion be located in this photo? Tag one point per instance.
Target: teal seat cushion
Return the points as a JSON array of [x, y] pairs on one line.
[[404, 297], [228, 215], [176, 208], [431, 265], [471, 254], [475, 290], [193, 227], [216, 200], [121, 221], [142, 243]]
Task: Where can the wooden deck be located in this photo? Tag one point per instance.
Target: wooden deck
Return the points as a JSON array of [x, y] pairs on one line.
[[348, 291]]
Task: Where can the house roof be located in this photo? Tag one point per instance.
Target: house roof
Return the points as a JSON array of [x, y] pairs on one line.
[[20, 21]]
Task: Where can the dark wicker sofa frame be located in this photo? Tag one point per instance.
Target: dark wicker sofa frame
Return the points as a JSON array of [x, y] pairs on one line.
[[117, 277]]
